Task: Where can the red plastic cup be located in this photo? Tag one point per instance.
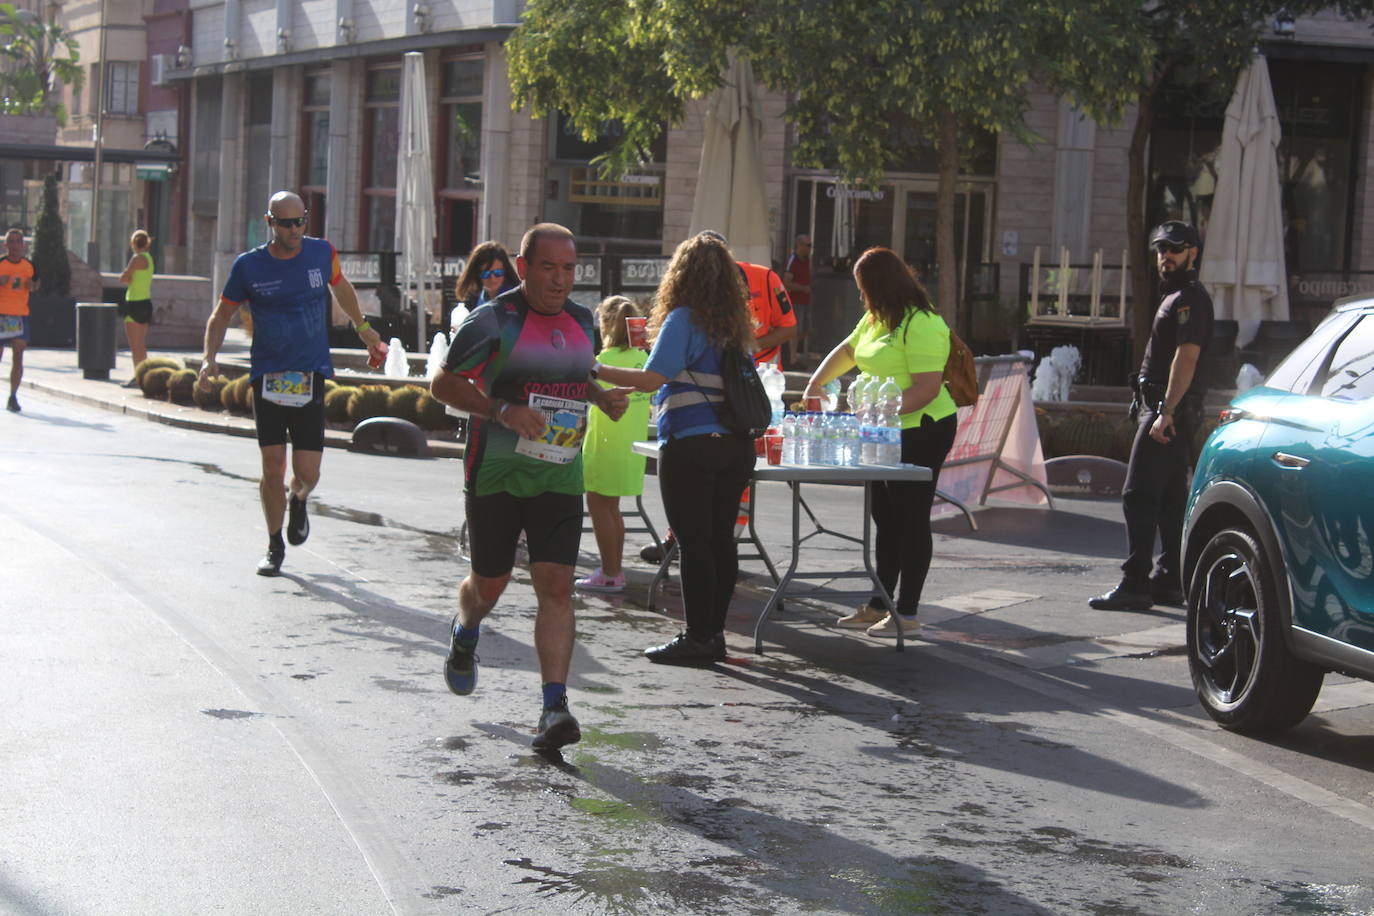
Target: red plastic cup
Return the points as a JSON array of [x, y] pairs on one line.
[[376, 361], [773, 443], [638, 329], [760, 448]]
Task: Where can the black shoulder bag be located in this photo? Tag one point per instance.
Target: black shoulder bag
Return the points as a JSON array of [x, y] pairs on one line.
[[745, 410]]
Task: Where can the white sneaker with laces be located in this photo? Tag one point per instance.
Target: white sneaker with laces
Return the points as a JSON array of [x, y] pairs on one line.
[[861, 619], [600, 582], [887, 627]]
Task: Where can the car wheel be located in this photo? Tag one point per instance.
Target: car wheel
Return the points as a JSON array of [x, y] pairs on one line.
[[1245, 675]]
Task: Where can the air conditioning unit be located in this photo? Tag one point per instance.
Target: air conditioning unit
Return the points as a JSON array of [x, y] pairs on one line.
[[162, 65]]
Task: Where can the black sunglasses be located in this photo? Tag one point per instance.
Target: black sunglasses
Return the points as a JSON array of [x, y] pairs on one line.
[[497, 272], [1171, 247], [287, 221]]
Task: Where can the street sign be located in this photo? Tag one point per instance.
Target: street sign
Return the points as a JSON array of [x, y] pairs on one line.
[[152, 171]]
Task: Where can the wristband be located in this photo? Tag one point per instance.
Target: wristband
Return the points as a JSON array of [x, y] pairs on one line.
[[595, 374], [1165, 410], [363, 325], [498, 407]]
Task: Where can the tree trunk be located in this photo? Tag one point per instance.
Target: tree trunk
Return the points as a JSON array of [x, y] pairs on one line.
[[946, 262], [1141, 267]]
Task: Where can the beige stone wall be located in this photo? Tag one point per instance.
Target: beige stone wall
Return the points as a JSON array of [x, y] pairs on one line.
[[1025, 191], [181, 306], [528, 156]]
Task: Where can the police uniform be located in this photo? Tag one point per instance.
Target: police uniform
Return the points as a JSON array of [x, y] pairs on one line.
[[1156, 490]]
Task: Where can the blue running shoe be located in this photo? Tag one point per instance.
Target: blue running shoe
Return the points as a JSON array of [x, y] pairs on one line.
[[460, 669]]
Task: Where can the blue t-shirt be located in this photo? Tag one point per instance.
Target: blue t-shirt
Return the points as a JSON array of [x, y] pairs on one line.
[[289, 302], [688, 401]]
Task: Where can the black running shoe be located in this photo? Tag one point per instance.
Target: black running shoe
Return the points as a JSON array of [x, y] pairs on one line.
[[297, 522], [1122, 598], [460, 670], [557, 728], [684, 650], [13, 405], [270, 564]]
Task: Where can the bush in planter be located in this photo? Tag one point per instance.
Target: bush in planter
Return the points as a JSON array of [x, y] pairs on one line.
[[1123, 439], [430, 413], [211, 399], [157, 362], [336, 403], [154, 382], [368, 402], [404, 402], [1044, 424], [1083, 433], [181, 386], [237, 394]]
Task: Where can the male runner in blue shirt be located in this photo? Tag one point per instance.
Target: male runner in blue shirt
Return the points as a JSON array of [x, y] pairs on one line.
[[286, 286]]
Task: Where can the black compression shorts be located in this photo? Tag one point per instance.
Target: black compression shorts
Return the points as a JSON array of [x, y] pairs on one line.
[[552, 523], [140, 310], [304, 425]]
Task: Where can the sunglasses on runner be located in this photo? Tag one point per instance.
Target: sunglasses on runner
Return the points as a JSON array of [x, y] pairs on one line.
[[493, 272], [288, 221], [1171, 247]]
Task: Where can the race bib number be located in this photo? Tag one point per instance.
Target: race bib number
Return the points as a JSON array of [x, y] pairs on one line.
[[565, 423], [289, 389], [11, 326]]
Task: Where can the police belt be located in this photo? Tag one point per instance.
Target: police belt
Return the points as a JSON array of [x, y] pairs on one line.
[[1149, 394]]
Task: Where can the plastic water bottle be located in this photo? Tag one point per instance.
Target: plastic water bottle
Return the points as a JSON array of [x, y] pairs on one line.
[[775, 384], [815, 443], [834, 440], [890, 422], [804, 438], [851, 440], [789, 438]]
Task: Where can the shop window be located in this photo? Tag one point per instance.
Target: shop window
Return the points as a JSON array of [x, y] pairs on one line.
[[617, 215], [121, 88], [315, 146], [1319, 107], [381, 155], [460, 151]]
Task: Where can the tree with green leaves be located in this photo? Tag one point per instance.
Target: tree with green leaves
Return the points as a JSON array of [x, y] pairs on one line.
[[36, 57], [1203, 44], [852, 69], [50, 244]]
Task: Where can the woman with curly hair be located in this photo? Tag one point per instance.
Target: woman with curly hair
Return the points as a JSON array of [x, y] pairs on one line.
[[487, 274], [700, 308], [902, 336]]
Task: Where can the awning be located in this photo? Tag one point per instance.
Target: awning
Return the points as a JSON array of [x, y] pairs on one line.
[[53, 152]]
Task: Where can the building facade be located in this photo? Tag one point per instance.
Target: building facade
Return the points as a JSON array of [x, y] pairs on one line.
[[257, 95]]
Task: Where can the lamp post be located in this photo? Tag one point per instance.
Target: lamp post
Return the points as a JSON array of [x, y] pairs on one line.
[[93, 244]]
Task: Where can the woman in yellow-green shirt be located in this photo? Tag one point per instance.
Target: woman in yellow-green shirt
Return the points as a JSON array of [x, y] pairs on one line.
[[902, 336], [137, 308]]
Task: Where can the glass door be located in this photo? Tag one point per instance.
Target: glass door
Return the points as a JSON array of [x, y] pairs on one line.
[[914, 224]]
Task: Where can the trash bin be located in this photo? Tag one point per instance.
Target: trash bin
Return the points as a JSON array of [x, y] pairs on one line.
[[96, 323]]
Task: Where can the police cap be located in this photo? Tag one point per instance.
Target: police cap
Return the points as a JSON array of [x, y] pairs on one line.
[[1175, 232]]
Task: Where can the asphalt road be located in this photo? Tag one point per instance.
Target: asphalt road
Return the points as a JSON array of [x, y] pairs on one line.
[[182, 736]]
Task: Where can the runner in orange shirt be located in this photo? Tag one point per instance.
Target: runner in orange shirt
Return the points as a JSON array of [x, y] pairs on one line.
[[18, 277]]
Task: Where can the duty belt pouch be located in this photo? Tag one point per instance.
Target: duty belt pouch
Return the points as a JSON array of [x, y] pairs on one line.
[[1133, 412]]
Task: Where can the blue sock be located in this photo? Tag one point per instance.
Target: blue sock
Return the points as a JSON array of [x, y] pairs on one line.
[[554, 694], [465, 635]]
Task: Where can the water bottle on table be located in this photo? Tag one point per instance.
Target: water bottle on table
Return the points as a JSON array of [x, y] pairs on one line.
[[890, 422], [789, 438]]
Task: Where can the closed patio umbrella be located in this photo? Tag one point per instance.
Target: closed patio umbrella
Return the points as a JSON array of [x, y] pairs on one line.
[[1243, 265], [415, 192], [729, 194]]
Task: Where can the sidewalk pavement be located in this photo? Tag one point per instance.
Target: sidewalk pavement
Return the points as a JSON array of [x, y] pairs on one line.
[[55, 372]]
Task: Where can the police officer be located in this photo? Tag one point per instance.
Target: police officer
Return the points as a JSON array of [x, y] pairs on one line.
[[1168, 403]]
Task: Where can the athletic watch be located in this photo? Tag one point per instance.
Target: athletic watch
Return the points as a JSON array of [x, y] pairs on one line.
[[1165, 410]]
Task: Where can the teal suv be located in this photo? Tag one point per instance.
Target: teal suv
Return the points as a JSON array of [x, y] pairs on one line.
[[1278, 546]]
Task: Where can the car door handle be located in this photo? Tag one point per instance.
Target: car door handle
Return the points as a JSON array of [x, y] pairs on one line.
[[1285, 460]]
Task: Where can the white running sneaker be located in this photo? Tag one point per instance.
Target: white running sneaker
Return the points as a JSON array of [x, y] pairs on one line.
[[600, 582], [861, 619], [887, 627]]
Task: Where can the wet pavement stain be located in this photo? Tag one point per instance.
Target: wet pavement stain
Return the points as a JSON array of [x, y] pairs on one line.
[[593, 737], [440, 891], [456, 778], [400, 686], [452, 743], [303, 677], [625, 889], [230, 713]]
